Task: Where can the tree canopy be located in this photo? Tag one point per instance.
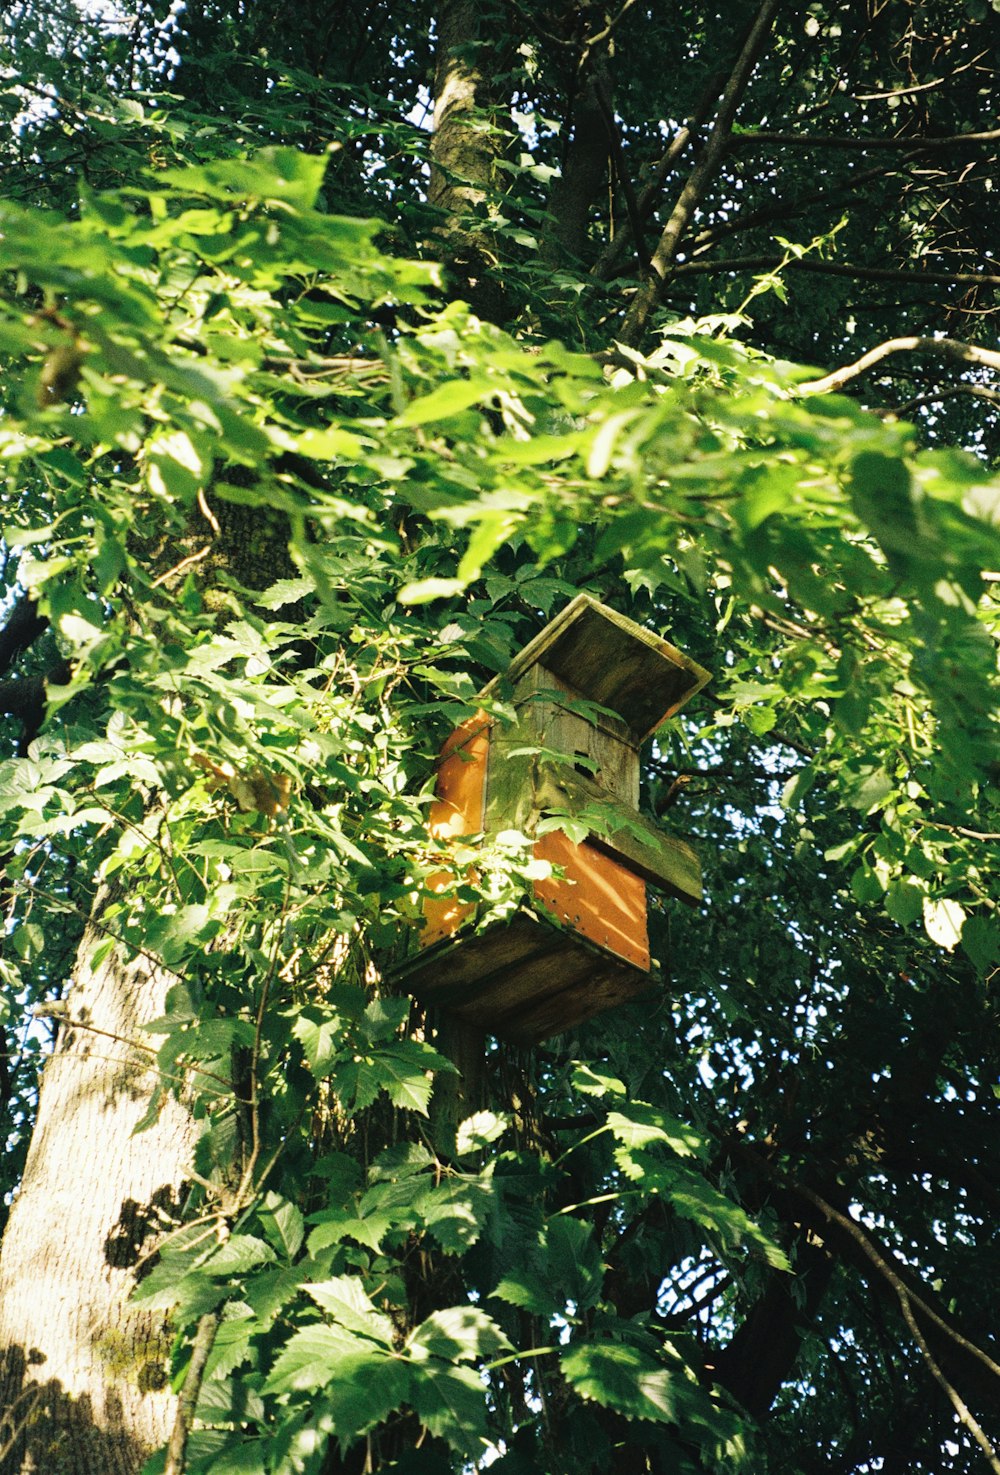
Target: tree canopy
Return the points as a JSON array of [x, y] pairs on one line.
[[342, 347]]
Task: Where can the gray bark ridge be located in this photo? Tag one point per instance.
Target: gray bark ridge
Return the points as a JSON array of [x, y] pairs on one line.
[[84, 1374]]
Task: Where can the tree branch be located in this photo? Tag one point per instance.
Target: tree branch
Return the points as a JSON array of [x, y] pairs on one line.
[[967, 353], [886, 1270], [839, 269], [22, 629], [651, 289], [621, 169], [961, 1408], [844, 141], [204, 1338], [609, 261], [978, 391]]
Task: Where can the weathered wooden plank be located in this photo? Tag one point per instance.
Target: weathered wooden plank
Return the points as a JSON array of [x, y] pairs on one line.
[[659, 858], [523, 980]]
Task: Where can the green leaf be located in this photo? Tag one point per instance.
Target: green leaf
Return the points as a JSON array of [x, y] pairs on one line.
[[981, 940], [346, 1301], [366, 1390], [870, 789], [283, 1224], [404, 1071], [647, 1124], [478, 1131], [943, 922], [621, 1378], [451, 1403], [310, 1359], [448, 400], [458, 1334], [904, 902]]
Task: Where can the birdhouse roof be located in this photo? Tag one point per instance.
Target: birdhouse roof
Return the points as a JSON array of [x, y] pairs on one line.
[[609, 659]]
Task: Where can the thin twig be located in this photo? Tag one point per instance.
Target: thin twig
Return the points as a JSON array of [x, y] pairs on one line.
[[843, 141], [961, 1408], [978, 391], [886, 1270], [204, 1339], [622, 171], [179, 568], [837, 269]]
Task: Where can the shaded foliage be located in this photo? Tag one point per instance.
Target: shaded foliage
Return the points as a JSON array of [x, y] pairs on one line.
[[283, 506]]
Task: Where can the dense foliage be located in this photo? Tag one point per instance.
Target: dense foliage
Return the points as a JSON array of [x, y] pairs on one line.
[[279, 502]]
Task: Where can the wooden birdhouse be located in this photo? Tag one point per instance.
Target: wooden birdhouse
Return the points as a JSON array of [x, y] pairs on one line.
[[587, 692]]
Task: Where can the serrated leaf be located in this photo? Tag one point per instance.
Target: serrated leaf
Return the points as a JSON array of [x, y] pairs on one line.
[[458, 1334], [335, 1225], [521, 1287], [366, 1390], [590, 1082], [647, 1124], [403, 1070], [247, 1457], [345, 1299], [478, 1131], [621, 1378], [241, 1252], [309, 1360], [451, 1403]]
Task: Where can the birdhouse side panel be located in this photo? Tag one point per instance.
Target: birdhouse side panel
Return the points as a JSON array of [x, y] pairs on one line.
[[600, 746], [457, 810], [598, 897]]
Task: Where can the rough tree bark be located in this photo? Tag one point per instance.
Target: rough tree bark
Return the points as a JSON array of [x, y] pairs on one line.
[[464, 148], [83, 1374]]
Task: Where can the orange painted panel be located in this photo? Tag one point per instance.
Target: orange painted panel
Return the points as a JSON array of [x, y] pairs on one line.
[[461, 780], [457, 811], [599, 897]]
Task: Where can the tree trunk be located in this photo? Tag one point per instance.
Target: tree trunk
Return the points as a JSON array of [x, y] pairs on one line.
[[464, 149], [83, 1374]]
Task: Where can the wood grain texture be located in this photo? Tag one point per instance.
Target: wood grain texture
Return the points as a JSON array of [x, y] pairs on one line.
[[523, 980], [608, 658]]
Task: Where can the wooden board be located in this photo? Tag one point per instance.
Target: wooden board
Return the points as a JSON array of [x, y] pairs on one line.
[[457, 810], [523, 980], [596, 896], [604, 744], [609, 659], [629, 836]]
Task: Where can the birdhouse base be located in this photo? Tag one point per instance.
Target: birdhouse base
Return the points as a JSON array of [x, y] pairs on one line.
[[523, 979]]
